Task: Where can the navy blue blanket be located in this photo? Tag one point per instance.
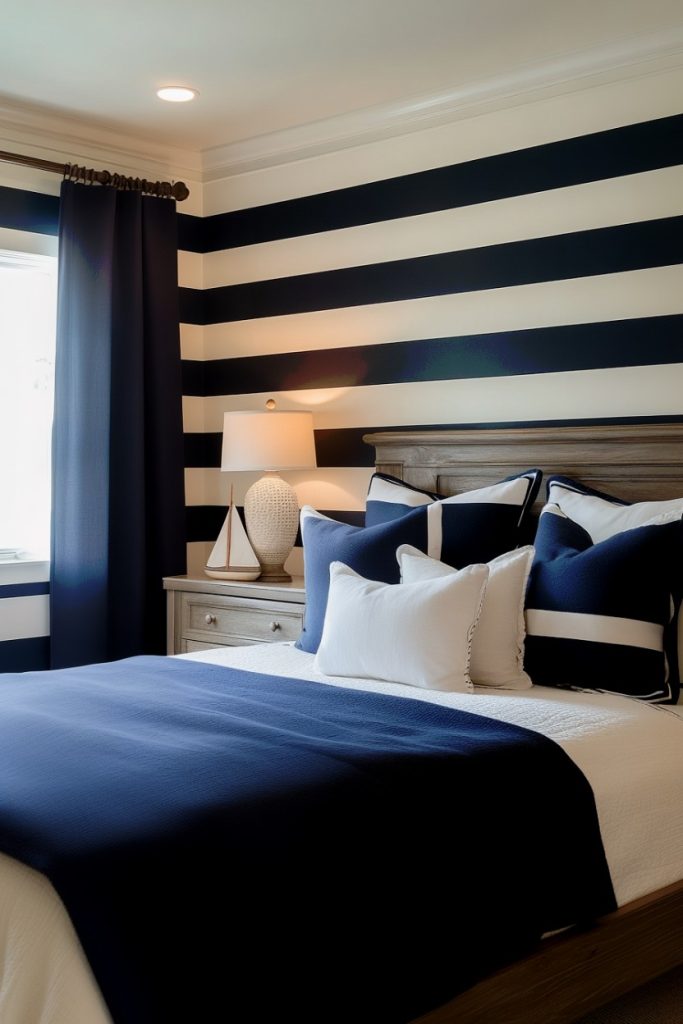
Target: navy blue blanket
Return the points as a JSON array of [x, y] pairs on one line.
[[328, 837]]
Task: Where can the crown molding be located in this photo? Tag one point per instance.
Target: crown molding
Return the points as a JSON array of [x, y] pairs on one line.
[[566, 73], [40, 132]]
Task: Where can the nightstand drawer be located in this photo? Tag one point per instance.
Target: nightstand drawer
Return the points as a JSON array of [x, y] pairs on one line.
[[189, 646], [234, 621], [204, 613]]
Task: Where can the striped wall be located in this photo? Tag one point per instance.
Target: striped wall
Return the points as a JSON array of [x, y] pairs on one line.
[[524, 266], [520, 266], [24, 617]]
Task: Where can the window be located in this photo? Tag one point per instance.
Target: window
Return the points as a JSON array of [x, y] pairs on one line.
[[28, 303]]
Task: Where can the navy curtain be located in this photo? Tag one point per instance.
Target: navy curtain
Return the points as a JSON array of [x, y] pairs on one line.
[[117, 451]]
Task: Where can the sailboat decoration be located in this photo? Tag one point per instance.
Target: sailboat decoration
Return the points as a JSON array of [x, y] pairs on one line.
[[233, 557]]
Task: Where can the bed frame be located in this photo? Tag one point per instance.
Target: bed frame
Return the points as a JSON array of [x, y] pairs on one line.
[[580, 970]]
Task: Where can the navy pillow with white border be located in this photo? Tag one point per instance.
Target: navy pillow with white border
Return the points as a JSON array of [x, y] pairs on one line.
[[601, 616], [603, 515], [472, 526]]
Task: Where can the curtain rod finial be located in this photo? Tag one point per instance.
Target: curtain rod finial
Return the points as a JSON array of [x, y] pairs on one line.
[[180, 191]]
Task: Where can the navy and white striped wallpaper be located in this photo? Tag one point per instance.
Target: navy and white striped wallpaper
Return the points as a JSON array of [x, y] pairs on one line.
[[543, 284], [24, 622], [520, 267]]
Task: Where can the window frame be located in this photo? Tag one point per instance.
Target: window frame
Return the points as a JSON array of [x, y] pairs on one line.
[[31, 245]]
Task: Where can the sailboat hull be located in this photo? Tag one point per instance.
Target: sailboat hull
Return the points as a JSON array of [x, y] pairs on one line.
[[232, 572]]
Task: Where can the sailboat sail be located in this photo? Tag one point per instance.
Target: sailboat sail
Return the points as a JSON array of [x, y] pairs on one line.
[[233, 557]]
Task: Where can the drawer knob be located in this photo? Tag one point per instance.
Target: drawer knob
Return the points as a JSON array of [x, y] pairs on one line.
[[274, 626], [209, 619]]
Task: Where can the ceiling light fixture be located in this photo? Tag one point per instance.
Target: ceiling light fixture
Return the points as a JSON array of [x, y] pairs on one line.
[[176, 93]]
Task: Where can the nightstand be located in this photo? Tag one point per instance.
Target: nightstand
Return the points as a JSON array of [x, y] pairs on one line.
[[204, 612]]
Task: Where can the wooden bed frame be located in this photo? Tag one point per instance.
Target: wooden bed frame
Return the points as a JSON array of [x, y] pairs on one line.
[[580, 970]]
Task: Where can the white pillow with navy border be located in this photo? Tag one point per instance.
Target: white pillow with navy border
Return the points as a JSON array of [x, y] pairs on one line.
[[418, 633], [498, 643]]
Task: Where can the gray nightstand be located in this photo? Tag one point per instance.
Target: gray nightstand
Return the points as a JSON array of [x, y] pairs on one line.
[[204, 612]]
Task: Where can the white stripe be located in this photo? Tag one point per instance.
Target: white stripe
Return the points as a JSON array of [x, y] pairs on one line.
[[577, 112], [597, 204], [605, 629], [24, 617], [191, 341], [434, 530], [193, 415], [197, 556], [638, 293], [341, 488], [190, 269], [623, 391], [28, 241], [30, 179], [23, 572]]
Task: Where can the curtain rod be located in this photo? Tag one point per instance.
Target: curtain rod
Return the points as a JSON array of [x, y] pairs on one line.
[[169, 190]]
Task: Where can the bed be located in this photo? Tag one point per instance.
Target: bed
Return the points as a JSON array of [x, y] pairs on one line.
[[46, 977]]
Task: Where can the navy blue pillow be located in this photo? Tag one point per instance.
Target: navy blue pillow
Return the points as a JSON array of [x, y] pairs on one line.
[[370, 551], [476, 526], [602, 616], [459, 532]]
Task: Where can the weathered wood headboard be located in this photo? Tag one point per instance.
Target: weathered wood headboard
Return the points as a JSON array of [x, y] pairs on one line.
[[637, 462]]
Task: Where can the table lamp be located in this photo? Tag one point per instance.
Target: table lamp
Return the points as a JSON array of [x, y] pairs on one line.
[[269, 441]]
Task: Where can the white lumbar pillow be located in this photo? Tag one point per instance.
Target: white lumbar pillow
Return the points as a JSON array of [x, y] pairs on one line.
[[418, 633], [498, 644]]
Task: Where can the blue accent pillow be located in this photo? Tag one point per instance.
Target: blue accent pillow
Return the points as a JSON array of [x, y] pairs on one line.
[[370, 551], [456, 530], [602, 615], [475, 526]]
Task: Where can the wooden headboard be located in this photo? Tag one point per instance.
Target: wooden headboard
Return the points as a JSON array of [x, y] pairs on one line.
[[636, 462]]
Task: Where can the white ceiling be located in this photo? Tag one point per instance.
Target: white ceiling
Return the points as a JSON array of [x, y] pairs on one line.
[[266, 65]]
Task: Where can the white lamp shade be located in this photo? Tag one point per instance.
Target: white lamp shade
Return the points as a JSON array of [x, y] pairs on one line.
[[267, 441]]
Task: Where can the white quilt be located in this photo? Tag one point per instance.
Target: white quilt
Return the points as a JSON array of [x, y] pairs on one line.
[[630, 752]]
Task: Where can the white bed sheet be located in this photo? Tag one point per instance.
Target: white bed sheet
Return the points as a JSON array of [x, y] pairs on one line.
[[631, 753]]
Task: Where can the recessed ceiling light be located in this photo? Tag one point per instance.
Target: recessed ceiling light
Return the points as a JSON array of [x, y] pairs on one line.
[[176, 93]]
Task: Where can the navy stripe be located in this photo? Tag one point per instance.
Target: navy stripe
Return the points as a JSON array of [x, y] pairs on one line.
[[190, 233], [24, 589], [194, 376], [634, 342], [34, 211], [608, 154], [653, 243], [28, 211], [204, 521], [191, 306], [344, 446], [31, 655], [202, 449]]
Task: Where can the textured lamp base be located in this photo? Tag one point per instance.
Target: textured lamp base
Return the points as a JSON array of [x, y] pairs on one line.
[[271, 512]]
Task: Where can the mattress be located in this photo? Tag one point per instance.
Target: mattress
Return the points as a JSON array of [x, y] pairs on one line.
[[630, 752]]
